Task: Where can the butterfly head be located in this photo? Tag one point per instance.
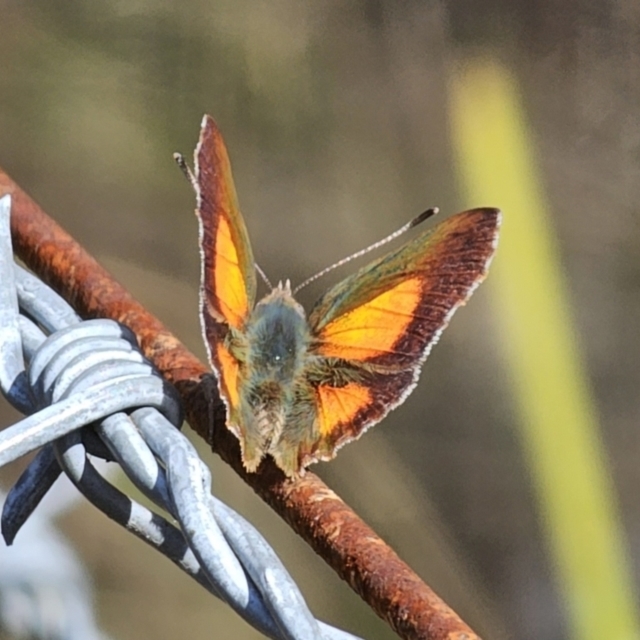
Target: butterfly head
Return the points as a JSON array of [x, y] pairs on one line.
[[279, 335]]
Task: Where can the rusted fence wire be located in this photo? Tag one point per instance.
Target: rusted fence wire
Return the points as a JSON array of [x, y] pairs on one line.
[[333, 530]]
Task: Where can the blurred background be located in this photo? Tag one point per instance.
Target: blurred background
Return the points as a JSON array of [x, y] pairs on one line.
[[509, 479]]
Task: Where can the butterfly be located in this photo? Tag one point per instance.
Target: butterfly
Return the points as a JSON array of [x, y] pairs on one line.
[[298, 387]]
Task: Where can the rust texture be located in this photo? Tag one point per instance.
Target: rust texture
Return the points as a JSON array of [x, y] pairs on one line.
[[315, 512]]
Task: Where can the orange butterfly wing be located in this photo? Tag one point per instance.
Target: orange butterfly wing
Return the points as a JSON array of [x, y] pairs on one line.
[[385, 318], [228, 279]]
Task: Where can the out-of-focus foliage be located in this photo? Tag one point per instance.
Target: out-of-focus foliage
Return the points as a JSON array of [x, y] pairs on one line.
[[561, 434], [336, 117]]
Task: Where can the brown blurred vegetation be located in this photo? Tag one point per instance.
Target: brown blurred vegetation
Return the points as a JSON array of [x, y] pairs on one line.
[[335, 115]]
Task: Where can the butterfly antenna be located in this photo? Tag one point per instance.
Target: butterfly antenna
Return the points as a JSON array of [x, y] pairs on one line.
[[376, 245], [186, 169], [263, 275]]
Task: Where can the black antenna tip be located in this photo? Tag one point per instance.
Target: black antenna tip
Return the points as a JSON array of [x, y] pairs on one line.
[[186, 169], [425, 215]]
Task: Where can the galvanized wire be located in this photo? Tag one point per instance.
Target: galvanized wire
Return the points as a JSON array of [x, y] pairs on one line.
[[87, 390]]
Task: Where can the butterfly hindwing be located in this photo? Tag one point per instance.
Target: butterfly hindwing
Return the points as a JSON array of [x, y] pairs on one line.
[[384, 319], [228, 280], [344, 412]]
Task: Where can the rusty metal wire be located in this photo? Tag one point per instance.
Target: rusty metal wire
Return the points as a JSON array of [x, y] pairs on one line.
[[92, 372], [332, 529]]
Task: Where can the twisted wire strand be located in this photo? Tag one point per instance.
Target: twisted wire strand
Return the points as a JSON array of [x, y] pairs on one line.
[[91, 373]]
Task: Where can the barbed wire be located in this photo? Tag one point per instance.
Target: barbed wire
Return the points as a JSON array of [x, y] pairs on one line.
[[88, 391]]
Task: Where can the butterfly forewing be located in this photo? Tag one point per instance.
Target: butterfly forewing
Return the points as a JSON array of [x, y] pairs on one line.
[[385, 318], [228, 286], [390, 312], [228, 275]]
